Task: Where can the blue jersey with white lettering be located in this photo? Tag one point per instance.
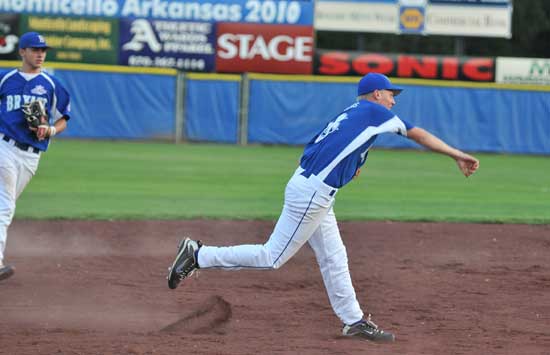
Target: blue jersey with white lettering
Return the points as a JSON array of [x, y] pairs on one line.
[[15, 90], [335, 154]]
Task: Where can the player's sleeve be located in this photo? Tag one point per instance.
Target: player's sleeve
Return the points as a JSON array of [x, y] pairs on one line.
[[389, 122], [400, 126], [395, 125], [63, 104]]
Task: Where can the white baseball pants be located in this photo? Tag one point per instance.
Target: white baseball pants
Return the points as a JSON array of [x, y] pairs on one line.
[[17, 167], [307, 216]]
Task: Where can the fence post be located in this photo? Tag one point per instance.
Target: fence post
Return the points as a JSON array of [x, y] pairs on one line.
[[180, 108], [243, 109]]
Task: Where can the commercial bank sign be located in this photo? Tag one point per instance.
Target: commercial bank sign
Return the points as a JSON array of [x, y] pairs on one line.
[[248, 11]]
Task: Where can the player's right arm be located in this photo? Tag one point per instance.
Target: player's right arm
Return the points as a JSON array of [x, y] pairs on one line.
[[465, 162]]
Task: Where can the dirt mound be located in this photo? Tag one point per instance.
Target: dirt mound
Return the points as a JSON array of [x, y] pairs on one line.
[[208, 318]]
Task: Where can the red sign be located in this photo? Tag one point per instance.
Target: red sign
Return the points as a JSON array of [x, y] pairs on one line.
[[283, 49], [405, 66]]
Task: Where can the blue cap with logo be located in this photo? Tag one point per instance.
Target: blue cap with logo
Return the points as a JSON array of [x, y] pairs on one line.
[[376, 81], [32, 40]]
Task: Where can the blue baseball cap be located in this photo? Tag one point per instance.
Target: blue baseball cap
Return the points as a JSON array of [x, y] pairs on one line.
[[32, 40], [376, 81]]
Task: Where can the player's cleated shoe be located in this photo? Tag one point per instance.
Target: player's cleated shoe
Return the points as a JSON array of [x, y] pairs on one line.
[[185, 263], [366, 329], [6, 272]]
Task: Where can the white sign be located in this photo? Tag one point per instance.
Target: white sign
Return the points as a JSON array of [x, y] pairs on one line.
[[533, 71], [455, 19], [356, 16], [485, 21], [412, 2]]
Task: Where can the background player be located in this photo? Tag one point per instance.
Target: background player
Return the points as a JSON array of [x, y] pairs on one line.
[[330, 160], [21, 147]]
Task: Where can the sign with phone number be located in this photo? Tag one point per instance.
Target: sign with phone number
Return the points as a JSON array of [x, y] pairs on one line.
[[296, 12], [182, 45]]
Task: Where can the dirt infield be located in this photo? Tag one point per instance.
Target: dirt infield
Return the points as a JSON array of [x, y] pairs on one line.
[[100, 288]]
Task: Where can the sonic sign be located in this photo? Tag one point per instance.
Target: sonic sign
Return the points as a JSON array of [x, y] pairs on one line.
[[404, 66]]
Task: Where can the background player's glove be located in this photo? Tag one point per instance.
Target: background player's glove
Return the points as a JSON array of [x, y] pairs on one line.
[[37, 117]]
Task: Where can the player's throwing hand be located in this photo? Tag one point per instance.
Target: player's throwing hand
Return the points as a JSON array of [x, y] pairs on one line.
[[467, 164]]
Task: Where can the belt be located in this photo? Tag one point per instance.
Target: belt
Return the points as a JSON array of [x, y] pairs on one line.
[[317, 182], [22, 146]]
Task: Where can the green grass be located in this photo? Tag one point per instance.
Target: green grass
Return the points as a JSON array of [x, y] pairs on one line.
[[136, 180]]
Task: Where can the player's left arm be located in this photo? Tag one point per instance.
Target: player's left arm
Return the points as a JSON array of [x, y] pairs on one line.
[[465, 162], [61, 112], [48, 131], [58, 126]]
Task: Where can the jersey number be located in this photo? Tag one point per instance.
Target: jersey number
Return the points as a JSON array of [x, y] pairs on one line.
[[331, 127]]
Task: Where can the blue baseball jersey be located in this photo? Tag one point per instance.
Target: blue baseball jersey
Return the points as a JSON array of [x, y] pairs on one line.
[[16, 90], [335, 154]]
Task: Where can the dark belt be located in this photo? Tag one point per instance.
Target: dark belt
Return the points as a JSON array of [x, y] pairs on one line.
[[21, 146], [307, 175]]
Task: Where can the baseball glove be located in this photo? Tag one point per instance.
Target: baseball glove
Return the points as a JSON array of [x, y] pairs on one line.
[[36, 115]]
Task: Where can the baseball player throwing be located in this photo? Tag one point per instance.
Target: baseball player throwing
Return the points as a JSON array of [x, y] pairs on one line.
[[33, 108], [330, 160]]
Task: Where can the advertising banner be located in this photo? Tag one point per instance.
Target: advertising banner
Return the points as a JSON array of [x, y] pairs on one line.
[[360, 16], [474, 2], [264, 48], [482, 21], [9, 37], [297, 12], [485, 18], [186, 46], [76, 39], [405, 66], [533, 71], [411, 19]]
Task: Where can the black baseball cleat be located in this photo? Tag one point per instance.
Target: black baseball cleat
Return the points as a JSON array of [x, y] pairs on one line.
[[6, 272], [366, 329], [186, 262]]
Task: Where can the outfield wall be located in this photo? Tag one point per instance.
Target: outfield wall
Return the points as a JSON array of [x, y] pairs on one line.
[[128, 103]]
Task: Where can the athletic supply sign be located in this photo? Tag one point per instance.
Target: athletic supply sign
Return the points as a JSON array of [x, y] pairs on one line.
[[174, 44], [264, 49]]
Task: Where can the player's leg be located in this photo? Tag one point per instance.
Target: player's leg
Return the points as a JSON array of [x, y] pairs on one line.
[[26, 168], [8, 183], [16, 170], [304, 209], [296, 223], [307, 201], [331, 255], [333, 262]]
